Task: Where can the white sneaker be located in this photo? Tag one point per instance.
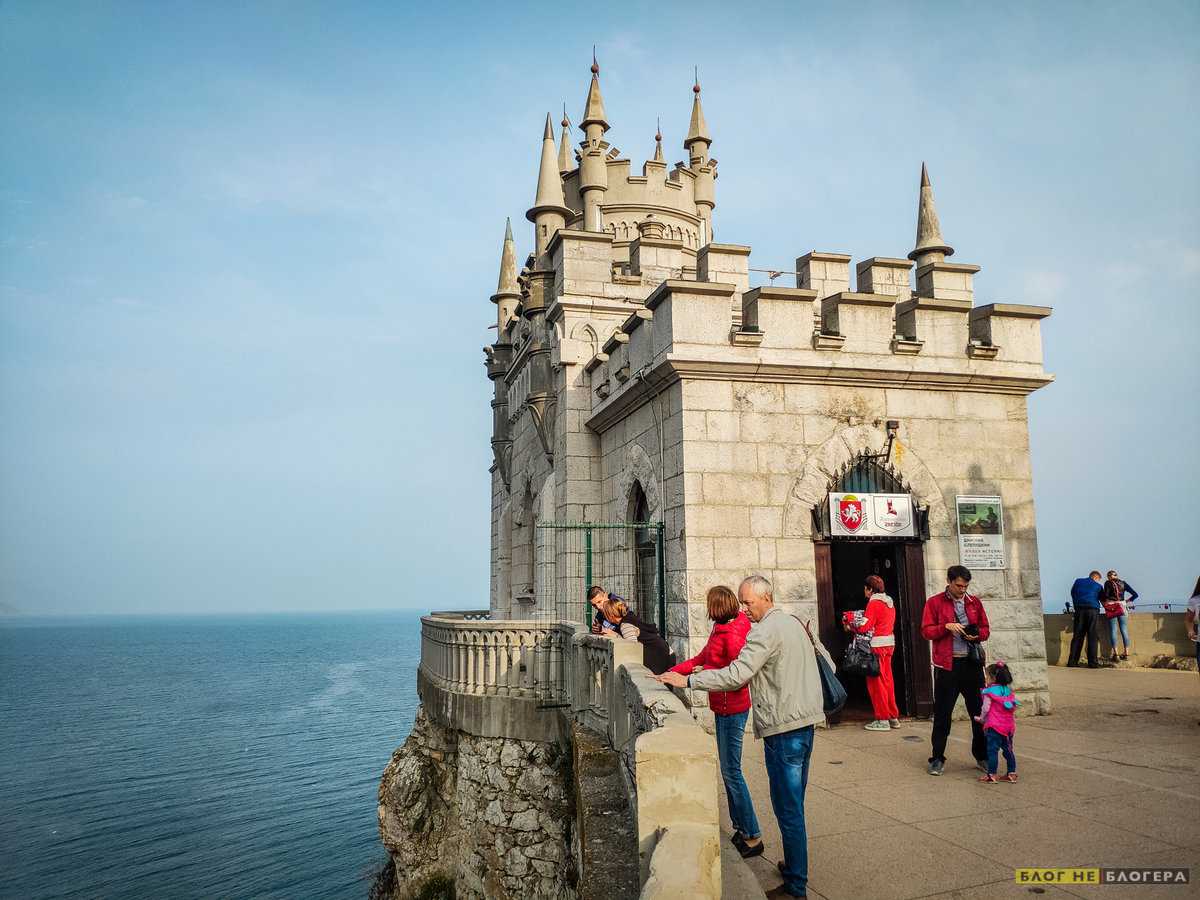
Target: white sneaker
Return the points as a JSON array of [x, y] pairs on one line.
[[894, 723], [878, 725]]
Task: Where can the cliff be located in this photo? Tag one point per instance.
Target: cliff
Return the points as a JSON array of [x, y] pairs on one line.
[[490, 816]]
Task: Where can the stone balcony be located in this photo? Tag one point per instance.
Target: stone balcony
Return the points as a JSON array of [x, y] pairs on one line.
[[534, 680]]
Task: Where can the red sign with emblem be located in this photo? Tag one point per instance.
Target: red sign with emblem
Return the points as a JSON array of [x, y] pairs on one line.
[[850, 513]]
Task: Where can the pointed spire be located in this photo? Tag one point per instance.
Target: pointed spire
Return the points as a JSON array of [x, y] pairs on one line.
[[593, 110], [929, 230], [549, 189], [658, 151], [564, 146], [507, 283], [698, 128]]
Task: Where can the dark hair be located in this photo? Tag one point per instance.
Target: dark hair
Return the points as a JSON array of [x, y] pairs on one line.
[[594, 590], [1094, 572], [875, 583], [1196, 589], [1000, 674], [958, 572]]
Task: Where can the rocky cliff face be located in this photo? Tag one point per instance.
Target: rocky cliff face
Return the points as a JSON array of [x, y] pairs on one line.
[[492, 815]]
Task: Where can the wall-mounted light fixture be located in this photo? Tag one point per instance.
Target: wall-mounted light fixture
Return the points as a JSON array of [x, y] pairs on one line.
[[893, 428]]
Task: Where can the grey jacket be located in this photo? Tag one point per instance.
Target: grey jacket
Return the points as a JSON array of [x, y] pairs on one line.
[[779, 663]]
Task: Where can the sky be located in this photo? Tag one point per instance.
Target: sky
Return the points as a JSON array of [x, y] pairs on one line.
[[246, 252]]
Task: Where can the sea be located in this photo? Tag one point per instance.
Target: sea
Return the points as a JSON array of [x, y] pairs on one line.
[[200, 757]]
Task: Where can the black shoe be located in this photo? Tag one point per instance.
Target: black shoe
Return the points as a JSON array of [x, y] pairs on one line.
[[1072, 665], [1093, 665], [747, 851], [782, 890], [737, 838]]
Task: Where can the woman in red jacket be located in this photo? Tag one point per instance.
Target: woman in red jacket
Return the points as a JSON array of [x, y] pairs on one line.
[[730, 709], [881, 624]]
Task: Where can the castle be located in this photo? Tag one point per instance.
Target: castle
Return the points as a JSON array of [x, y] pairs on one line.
[[815, 434]]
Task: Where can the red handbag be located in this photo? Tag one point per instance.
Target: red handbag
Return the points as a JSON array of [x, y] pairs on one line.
[[1113, 609]]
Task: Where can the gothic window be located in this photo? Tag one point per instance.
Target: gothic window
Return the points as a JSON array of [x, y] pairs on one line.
[[644, 554]]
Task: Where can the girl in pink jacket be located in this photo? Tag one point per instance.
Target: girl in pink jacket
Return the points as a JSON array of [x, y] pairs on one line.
[[999, 725]]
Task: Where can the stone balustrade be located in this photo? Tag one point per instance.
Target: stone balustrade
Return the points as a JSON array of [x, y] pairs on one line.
[[531, 680], [494, 678]]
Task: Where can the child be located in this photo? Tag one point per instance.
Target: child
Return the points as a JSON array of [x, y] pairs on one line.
[[996, 717]]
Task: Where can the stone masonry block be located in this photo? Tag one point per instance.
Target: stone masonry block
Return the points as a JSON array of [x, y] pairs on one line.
[[736, 553], [718, 521], [734, 489], [766, 521], [722, 425]]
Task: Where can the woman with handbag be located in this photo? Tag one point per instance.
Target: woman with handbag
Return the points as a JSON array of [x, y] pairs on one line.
[[880, 624], [1113, 598]]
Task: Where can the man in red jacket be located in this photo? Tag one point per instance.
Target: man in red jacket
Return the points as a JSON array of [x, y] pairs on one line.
[[956, 625]]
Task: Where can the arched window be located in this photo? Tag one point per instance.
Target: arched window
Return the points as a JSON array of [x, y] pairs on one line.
[[645, 555]]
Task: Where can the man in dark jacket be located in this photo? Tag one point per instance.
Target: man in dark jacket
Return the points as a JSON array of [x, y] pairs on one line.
[[955, 625], [1085, 594]]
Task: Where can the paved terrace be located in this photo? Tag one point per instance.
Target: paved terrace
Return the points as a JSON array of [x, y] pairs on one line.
[[1112, 778]]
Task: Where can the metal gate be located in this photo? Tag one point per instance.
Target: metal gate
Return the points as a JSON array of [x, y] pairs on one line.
[[624, 558]]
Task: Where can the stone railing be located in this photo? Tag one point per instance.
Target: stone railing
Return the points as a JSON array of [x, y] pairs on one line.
[[530, 680], [494, 678]]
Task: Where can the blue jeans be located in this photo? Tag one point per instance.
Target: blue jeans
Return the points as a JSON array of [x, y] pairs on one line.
[[1112, 631], [730, 730], [997, 742], [787, 758]]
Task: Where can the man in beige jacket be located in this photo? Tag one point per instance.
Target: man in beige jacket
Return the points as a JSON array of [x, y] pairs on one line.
[[780, 665]]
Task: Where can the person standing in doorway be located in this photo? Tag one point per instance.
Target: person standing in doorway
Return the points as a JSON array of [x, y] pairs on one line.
[[1114, 600], [955, 624], [785, 686], [1085, 594], [881, 625]]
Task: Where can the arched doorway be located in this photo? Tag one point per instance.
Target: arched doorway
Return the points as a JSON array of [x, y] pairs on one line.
[[645, 556], [843, 562]]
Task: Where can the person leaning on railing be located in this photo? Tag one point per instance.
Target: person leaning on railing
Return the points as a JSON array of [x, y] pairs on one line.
[[656, 655]]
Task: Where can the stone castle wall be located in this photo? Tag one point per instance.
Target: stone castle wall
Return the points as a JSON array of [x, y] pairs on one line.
[[757, 457], [491, 814]]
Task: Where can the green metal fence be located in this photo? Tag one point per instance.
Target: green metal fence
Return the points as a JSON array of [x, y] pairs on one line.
[[624, 558]]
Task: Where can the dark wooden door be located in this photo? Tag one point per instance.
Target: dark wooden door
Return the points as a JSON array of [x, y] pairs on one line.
[[919, 675]]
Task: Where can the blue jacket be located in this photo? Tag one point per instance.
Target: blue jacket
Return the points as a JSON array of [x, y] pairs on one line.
[[1086, 594]]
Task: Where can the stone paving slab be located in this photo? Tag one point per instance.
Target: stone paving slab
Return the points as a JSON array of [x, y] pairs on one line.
[[1102, 784]]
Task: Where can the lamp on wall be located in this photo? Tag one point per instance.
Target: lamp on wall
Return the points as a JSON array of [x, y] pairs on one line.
[[893, 427]]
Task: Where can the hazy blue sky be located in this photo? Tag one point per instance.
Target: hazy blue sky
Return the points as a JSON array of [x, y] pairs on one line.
[[246, 252]]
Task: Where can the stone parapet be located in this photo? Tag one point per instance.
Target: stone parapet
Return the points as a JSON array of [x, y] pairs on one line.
[[866, 321], [1015, 330]]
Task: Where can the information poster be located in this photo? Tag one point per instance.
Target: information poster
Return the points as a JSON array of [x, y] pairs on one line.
[[871, 515], [980, 532]]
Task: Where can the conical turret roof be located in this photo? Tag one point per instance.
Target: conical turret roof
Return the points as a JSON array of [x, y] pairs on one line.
[[549, 188], [697, 128], [593, 109], [564, 145], [507, 285], [929, 230]]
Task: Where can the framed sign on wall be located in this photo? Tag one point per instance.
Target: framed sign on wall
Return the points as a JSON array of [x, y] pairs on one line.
[[980, 532]]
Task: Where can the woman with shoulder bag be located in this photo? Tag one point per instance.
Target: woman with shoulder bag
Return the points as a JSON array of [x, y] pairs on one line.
[[1113, 597], [881, 625]]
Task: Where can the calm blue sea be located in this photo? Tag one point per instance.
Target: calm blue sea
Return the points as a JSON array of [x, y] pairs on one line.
[[199, 757]]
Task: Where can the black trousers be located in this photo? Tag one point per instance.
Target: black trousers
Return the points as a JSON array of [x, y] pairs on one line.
[[1084, 627], [965, 678]]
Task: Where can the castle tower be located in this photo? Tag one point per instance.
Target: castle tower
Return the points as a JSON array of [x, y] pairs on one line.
[[549, 212], [593, 182], [697, 144], [565, 163]]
